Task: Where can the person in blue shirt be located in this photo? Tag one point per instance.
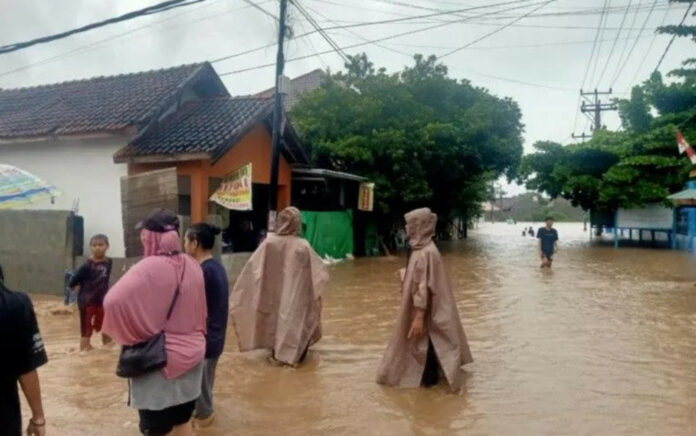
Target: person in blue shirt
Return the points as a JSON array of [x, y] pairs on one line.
[[199, 243], [548, 243]]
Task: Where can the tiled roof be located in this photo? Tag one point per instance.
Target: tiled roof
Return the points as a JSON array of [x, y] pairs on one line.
[[210, 126], [100, 104]]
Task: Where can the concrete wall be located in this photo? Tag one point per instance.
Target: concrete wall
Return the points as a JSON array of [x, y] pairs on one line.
[[36, 249], [233, 263], [83, 170]]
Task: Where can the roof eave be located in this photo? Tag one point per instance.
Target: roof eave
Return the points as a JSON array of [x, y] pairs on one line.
[[124, 157]]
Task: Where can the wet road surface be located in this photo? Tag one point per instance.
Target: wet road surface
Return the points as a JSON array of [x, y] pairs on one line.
[[604, 344]]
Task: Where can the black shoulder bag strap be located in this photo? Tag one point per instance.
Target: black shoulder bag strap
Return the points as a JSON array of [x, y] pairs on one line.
[[176, 293]]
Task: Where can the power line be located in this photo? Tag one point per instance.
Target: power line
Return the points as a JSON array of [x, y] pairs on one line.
[[500, 29], [572, 12], [160, 7], [625, 46], [602, 24], [645, 55], [613, 46], [371, 23], [520, 82], [587, 68], [630, 53], [357, 35], [96, 44], [496, 47], [398, 35], [310, 44], [671, 41], [259, 8], [434, 14], [321, 31], [594, 49]]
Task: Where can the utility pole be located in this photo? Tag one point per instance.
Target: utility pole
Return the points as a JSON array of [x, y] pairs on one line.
[[596, 107], [277, 120], [584, 136]]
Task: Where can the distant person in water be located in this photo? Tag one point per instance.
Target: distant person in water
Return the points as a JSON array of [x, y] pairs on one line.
[[429, 341], [531, 231], [548, 243], [276, 303]]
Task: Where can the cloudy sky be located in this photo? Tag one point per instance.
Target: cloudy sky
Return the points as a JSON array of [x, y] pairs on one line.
[[538, 52]]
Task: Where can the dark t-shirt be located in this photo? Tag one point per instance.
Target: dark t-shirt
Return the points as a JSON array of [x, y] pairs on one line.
[[93, 278], [548, 239], [22, 352], [217, 295]]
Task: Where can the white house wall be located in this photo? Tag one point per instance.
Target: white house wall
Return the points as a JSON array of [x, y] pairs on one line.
[[84, 171]]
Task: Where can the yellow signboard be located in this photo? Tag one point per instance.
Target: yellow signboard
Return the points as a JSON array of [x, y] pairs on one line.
[[366, 199], [235, 191]]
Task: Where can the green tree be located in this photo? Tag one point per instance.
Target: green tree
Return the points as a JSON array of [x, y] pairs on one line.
[[632, 167], [424, 138]]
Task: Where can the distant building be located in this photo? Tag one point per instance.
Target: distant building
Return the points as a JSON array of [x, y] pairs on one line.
[[293, 89]]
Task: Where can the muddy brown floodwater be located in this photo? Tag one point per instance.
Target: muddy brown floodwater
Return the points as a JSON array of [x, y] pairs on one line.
[[605, 344]]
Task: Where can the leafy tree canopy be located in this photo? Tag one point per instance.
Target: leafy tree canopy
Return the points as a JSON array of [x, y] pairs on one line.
[[424, 138]]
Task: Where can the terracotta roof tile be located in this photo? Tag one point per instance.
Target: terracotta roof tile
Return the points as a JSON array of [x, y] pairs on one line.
[[91, 105], [204, 126], [211, 126]]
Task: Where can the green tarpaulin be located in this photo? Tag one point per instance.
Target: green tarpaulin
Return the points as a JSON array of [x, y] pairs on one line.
[[330, 233], [371, 239]]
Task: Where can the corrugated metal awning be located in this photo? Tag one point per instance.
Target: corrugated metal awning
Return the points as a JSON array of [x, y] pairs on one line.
[[687, 194], [318, 172]]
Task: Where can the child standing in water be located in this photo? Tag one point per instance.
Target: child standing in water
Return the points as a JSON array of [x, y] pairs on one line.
[[93, 280], [429, 340]]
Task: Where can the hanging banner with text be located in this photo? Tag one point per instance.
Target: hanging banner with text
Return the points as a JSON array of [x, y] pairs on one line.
[[235, 191], [366, 198]]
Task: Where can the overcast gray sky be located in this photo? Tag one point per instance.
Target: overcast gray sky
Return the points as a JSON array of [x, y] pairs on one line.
[[540, 61]]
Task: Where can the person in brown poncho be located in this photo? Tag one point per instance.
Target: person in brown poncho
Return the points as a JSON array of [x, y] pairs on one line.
[[429, 341], [276, 302]]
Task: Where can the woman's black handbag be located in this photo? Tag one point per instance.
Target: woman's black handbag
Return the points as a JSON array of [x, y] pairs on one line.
[[147, 356]]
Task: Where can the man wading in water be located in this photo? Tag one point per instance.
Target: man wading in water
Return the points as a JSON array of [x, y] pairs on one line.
[[429, 341], [548, 243]]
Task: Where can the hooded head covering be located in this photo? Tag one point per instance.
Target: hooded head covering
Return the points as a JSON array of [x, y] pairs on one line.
[[421, 223], [135, 309], [289, 222]]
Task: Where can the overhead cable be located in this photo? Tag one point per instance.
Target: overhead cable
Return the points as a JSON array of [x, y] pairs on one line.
[[160, 7], [674, 36]]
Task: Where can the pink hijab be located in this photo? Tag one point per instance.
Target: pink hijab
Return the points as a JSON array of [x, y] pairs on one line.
[[135, 309]]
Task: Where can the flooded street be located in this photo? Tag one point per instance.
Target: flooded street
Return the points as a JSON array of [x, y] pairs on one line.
[[604, 344]]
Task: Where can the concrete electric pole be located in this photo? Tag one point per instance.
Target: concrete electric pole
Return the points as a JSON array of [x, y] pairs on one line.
[[277, 120]]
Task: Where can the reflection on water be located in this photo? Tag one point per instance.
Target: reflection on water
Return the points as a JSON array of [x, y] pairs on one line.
[[603, 344]]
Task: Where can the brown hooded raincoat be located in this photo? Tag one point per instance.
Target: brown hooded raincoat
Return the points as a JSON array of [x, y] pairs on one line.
[[425, 286], [276, 302]]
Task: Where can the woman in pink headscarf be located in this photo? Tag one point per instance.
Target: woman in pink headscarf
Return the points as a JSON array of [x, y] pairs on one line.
[[135, 310], [429, 340]]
